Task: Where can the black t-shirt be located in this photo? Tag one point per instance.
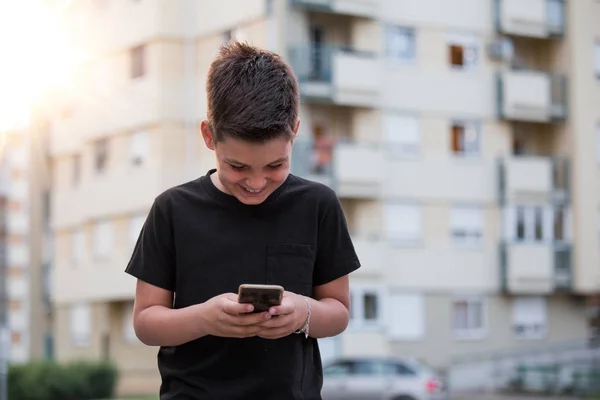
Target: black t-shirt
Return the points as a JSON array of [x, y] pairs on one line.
[[200, 242]]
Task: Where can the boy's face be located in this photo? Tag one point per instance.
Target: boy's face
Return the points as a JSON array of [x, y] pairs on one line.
[[249, 171]]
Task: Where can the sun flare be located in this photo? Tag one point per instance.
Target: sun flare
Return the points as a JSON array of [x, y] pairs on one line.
[[35, 56]]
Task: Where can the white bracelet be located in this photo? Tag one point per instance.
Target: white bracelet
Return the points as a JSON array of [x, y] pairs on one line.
[[305, 328]]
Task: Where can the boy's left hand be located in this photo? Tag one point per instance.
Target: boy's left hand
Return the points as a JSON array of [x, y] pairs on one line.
[[289, 316]]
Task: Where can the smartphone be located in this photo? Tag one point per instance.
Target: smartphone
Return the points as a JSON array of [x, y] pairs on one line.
[[262, 297]]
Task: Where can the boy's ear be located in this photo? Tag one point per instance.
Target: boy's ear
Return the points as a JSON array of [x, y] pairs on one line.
[[296, 130], [207, 135]]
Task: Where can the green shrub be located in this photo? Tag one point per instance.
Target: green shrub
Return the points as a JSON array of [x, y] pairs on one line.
[[80, 380]]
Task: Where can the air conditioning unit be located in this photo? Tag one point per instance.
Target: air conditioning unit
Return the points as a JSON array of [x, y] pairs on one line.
[[501, 49]]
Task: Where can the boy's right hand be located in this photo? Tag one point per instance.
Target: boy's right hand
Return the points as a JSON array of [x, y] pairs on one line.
[[223, 316]]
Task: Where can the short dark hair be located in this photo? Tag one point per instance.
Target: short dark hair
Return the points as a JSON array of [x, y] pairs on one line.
[[252, 94]]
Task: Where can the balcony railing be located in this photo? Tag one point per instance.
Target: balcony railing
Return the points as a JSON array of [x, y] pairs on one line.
[[360, 8], [328, 72], [551, 273], [535, 96], [352, 169], [545, 179], [532, 18]]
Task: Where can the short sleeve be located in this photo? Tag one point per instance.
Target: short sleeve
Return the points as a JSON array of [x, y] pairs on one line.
[[336, 256], [153, 257]]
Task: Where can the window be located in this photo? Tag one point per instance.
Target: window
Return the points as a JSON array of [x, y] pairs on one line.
[[366, 307], [100, 154], [469, 317], [402, 223], [597, 59], [269, 7], [135, 227], [463, 52], [78, 243], [15, 338], [556, 15], [76, 169], [598, 224], [400, 43], [407, 316], [529, 317], [402, 133], [128, 329], [535, 223], [368, 368], [227, 36], [370, 306], [81, 325], [598, 143], [466, 225], [137, 57], [139, 148], [338, 369], [272, 26], [373, 368], [46, 207], [465, 138], [103, 239]]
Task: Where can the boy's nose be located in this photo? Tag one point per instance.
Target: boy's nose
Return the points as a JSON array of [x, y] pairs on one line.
[[256, 183]]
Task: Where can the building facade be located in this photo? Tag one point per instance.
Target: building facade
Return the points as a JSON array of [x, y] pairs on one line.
[[460, 135], [14, 237]]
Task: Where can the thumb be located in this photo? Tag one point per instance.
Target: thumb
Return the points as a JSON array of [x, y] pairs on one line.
[[231, 296]]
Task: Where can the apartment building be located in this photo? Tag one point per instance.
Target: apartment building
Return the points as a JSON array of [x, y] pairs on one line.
[[458, 134], [470, 120], [16, 272]]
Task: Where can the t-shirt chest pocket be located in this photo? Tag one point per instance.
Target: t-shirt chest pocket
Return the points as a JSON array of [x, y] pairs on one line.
[[291, 266]]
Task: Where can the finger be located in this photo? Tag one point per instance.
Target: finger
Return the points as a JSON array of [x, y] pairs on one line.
[[277, 322], [245, 319], [231, 296], [246, 331], [232, 307], [287, 306]]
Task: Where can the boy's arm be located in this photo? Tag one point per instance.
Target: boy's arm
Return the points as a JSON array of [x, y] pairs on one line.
[[336, 259], [329, 312], [154, 319], [156, 323], [330, 308]]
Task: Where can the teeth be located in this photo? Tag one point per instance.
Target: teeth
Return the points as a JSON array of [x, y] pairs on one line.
[[253, 191]]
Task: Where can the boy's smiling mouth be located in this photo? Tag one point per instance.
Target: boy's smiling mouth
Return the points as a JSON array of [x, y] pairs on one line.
[[252, 191]]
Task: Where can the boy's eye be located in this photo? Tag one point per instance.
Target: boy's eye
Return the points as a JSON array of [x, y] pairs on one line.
[[275, 166], [237, 167]]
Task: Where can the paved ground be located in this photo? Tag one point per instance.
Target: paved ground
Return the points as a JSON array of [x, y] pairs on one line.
[[504, 397]]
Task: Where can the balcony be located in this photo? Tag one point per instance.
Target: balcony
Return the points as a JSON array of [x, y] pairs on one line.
[[101, 280], [534, 96], [359, 8], [533, 179], [329, 74], [373, 255], [531, 18], [98, 196], [551, 272], [352, 170]]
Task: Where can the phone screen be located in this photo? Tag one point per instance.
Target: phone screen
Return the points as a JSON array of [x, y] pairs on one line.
[[261, 298]]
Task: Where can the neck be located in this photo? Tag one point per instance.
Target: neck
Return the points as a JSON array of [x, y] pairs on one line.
[[217, 182]]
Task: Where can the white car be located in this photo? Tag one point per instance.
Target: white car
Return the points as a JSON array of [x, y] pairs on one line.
[[381, 379]]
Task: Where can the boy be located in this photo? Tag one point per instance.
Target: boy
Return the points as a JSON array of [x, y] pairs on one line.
[[248, 221]]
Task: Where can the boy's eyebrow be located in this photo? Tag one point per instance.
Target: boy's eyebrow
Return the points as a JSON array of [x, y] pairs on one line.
[[233, 161]]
